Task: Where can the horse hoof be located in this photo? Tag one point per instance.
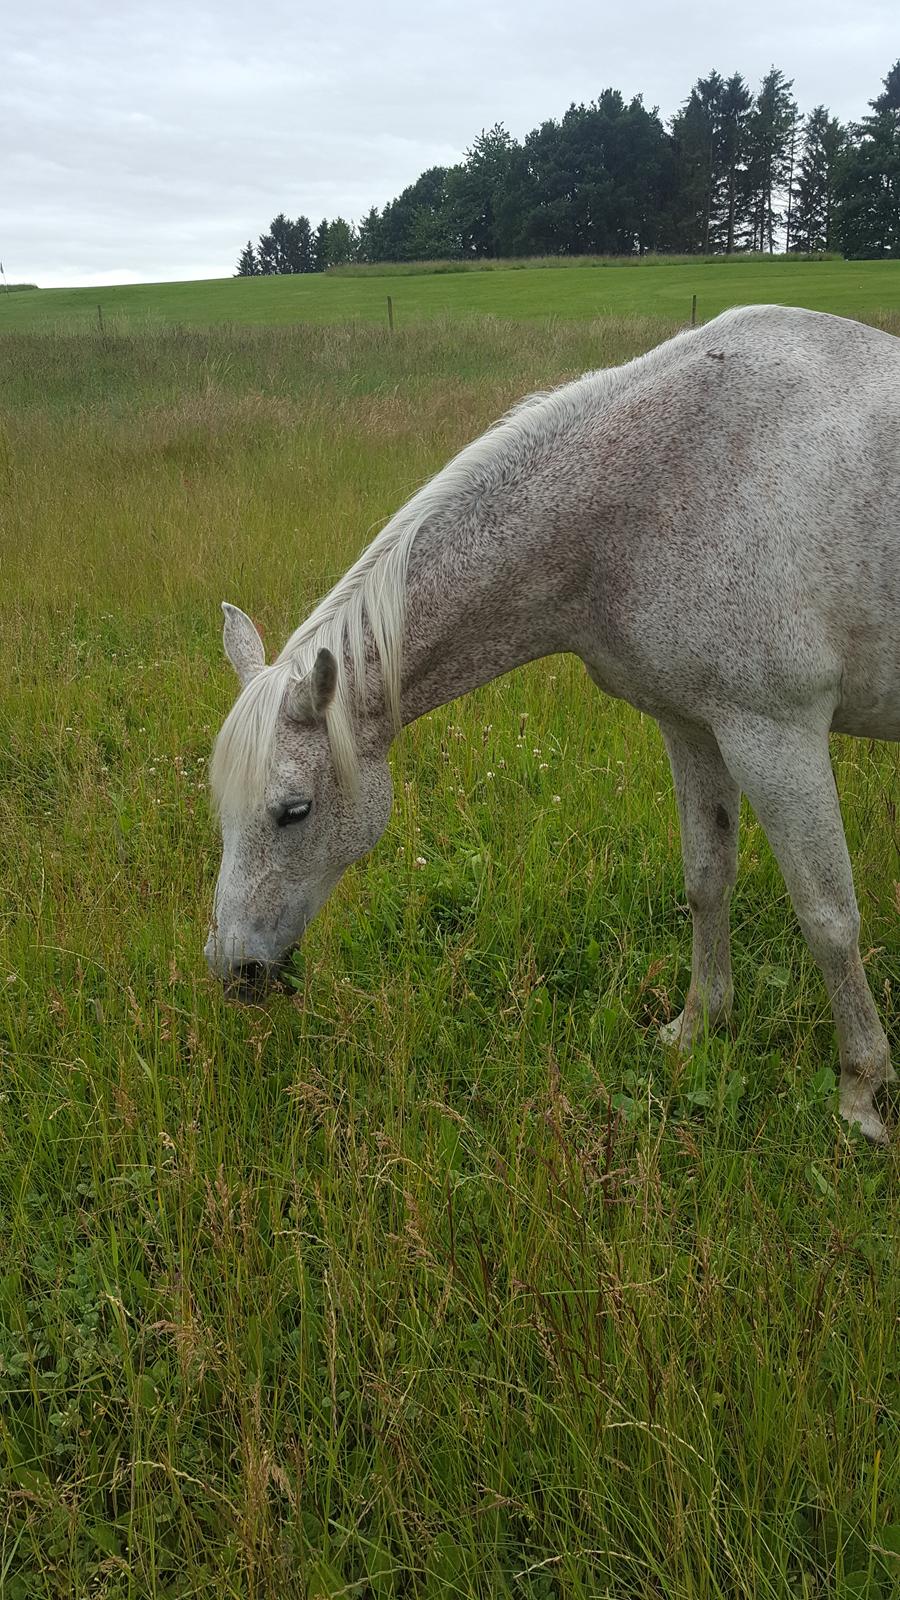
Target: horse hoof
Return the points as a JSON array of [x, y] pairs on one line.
[[867, 1120]]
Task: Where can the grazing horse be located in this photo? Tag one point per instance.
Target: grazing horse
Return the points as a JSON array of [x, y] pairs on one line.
[[714, 529]]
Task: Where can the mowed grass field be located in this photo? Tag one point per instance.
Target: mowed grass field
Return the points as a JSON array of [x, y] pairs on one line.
[[435, 1275], [655, 287]]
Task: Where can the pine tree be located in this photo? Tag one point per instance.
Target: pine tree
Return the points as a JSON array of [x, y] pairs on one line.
[[815, 183], [247, 266]]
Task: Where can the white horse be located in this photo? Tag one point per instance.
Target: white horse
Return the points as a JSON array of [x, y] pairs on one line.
[[714, 529]]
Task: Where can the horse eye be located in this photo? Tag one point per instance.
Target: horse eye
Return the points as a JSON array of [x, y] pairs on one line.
[[295, 812]]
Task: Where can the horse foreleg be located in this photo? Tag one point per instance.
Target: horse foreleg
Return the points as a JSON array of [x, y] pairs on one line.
[[787, 777], [709, 804]]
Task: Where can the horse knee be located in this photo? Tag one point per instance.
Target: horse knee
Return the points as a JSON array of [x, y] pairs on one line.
[[832, 933], [708, 895]]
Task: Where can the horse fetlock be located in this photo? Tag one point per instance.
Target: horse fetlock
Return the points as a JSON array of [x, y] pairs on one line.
[[870, 1065], [700, 1010]]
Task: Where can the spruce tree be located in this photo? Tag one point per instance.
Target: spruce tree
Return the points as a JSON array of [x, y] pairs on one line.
[[697, 137], [735, 103], [869, 185], [267, 255], [247, 265], [419, 219], [341, 243], [815, 183], [369, 245], [320, 247], [769, 140], [710, 137], [303, 239], [281, 232]]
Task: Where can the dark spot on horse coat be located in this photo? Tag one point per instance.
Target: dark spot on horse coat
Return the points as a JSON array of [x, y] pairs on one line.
[[722, 819]]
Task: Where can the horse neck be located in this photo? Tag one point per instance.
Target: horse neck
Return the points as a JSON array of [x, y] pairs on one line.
[[487, 591]]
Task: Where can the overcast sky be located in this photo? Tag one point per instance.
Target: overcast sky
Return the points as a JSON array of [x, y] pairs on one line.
[[149, 141]]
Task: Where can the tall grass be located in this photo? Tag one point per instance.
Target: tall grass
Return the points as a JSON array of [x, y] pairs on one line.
[[434, 1275]]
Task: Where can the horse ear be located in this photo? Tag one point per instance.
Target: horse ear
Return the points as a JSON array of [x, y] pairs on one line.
[[243, 646], [309, 698]]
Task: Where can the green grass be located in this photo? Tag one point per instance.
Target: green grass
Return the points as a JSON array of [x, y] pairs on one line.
[[380, 269], [435, 1275], [655, 288]]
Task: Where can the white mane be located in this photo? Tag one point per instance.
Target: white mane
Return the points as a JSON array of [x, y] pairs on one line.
[[372, 592]]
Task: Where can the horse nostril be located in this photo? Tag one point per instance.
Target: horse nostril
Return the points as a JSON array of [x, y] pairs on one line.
[[249, 980]]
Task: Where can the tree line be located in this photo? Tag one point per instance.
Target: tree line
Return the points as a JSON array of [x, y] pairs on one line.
[[733, 171]]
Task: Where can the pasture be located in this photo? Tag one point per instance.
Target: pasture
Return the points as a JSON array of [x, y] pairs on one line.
[[655, 287], [434, 1275]]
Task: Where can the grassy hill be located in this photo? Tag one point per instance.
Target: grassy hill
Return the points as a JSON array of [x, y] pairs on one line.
[[656, 288]]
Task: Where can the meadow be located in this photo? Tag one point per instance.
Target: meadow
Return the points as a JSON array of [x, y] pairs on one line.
[[434, 1275], [580, 288]]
